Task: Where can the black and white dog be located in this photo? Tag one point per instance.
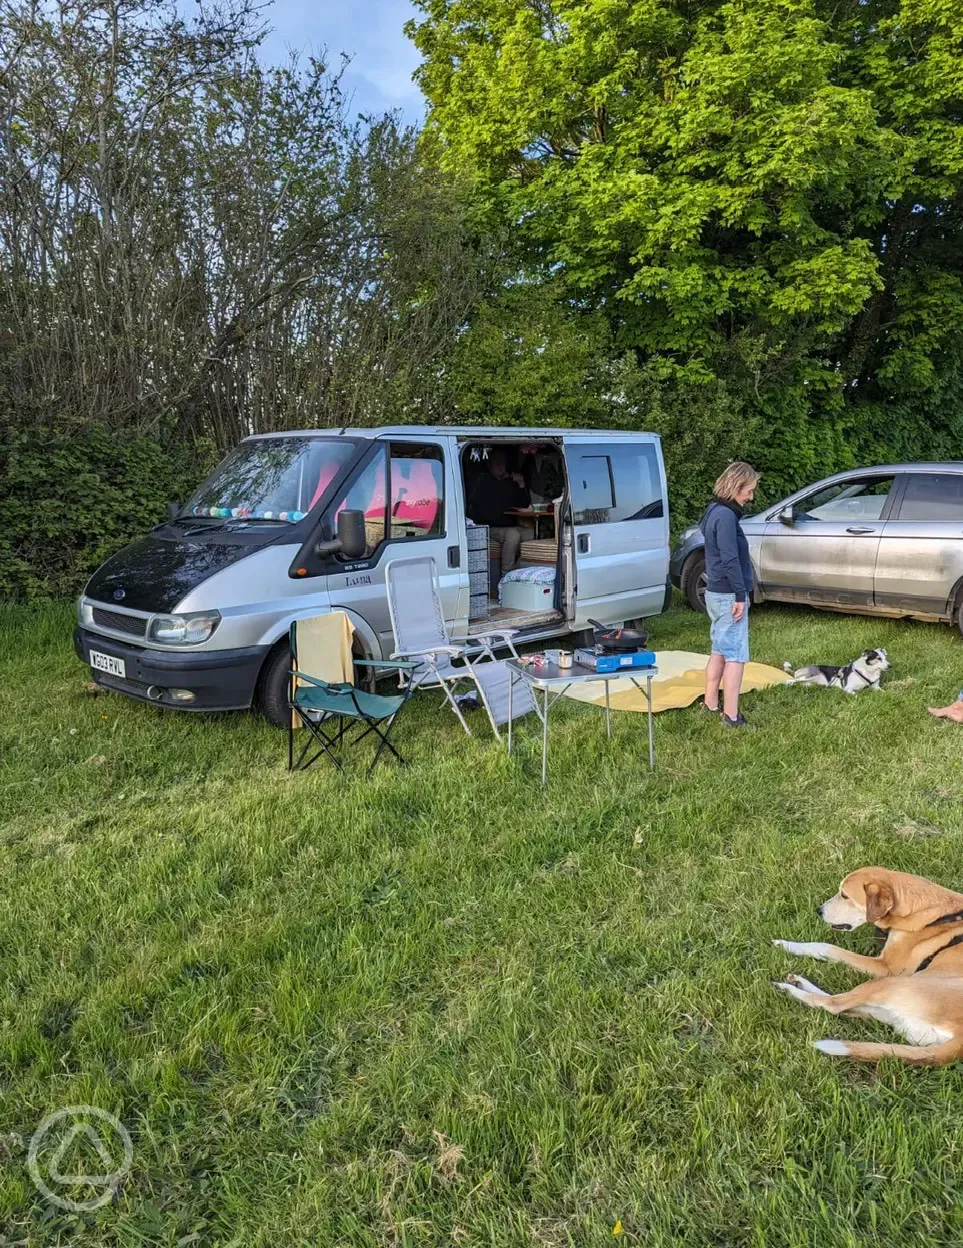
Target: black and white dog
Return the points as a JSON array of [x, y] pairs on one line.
[[862, 673]]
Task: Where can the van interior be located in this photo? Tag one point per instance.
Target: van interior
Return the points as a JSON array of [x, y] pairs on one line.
[[524, 591]]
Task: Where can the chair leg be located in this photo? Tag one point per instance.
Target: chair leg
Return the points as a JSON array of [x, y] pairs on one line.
[[431, 671], [454, 705], [319, 737], [385, 743]]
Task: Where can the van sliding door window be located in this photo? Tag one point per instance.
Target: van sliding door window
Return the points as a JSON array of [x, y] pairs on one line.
[[612, 483]]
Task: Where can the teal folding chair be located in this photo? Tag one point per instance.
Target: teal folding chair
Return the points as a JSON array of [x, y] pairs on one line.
[[320, 705]]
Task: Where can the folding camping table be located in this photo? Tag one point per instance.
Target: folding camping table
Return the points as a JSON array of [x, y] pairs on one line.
[[550, 679]]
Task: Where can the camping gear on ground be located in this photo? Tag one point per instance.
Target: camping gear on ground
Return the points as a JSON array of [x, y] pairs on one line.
[[680, 682], [418, 623], [533, 673], [315, 702], [614, 662]]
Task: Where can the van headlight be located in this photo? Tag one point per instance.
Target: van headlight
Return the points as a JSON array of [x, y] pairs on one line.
[[183, 630]]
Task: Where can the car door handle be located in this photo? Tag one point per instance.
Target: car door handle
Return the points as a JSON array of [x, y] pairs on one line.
[[454, 556], [582, 544], [860, 532]]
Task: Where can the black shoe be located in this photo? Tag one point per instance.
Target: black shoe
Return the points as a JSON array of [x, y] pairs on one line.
[[740, 721]]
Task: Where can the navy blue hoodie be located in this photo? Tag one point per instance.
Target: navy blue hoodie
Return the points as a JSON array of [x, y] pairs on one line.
[[728, 567]]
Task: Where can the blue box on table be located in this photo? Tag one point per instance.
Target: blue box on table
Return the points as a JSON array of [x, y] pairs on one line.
[[631, 661]]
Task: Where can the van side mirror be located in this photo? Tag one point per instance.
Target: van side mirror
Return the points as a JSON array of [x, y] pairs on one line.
[[787, 516], [352, 534], [352, 540]]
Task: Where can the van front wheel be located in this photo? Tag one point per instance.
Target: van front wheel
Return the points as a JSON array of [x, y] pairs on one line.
[[271, 695]]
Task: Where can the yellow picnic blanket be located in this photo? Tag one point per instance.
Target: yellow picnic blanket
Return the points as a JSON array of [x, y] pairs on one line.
[[680, 682]]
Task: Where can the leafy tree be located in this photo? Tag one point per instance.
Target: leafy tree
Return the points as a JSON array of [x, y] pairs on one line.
[[194, 247], [764, 194]]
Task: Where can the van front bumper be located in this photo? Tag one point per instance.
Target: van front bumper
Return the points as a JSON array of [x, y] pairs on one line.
[[221, 680]]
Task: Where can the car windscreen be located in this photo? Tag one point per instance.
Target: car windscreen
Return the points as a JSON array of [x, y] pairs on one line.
[[276, 479]]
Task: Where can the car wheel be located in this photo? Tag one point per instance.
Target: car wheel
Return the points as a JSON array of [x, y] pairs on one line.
[[271, 695], [694, 581]]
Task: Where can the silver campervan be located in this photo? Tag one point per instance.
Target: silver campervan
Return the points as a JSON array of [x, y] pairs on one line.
[[196, 614]]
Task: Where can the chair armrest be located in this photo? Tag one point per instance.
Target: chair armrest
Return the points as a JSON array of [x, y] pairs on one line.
[[423, 654], [311, 680], [396, 663], [337, 685]]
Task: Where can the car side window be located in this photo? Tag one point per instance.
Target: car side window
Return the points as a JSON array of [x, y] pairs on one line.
[[863, 499], [933, 496]]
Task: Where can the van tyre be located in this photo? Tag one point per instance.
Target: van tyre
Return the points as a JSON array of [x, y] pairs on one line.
[[271, 695], [694, 581]]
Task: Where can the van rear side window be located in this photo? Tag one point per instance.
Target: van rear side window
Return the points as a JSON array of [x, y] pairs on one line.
[[616, 482]]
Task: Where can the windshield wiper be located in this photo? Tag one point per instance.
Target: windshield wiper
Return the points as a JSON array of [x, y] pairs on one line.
[[256, 520], [193, 525]]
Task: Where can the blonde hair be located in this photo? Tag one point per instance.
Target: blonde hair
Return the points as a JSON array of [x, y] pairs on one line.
[[736, 478]]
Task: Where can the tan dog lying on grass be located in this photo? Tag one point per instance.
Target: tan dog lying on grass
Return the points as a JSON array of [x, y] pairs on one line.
[[917, 984]]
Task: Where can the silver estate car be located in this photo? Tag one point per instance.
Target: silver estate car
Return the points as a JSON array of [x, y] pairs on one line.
[[877, 541]]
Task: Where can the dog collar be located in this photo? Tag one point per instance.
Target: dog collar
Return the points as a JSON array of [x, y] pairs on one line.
[[861, 677]]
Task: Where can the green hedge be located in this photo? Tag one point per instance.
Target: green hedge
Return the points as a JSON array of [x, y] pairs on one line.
[[68, 501]]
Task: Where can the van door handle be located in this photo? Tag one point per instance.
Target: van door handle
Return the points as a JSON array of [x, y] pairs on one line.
[[454, 556], [860, 532], [582, 543]]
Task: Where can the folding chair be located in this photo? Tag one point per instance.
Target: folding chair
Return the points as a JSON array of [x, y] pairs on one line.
[[421, 637], [314, 703], [492, 680]]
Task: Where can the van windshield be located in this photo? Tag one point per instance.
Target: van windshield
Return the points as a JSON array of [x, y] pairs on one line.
[[270, 479]]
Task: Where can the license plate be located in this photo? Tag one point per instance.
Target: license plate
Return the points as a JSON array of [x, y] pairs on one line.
[[107, 663]]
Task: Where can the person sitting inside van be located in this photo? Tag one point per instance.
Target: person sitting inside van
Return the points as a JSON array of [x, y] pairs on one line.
[[494, 492]]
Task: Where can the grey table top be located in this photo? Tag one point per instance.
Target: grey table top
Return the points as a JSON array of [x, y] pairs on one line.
[[550, 675]]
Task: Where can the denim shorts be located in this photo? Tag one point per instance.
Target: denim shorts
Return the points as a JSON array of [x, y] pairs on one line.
[[728, 637]]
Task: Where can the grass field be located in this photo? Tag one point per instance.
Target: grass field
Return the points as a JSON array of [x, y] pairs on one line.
[[447, 1008]]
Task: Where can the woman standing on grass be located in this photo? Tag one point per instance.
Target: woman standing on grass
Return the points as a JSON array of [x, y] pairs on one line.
[[728, 589]]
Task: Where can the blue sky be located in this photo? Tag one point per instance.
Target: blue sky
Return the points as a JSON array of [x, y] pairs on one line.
[[371, 31]]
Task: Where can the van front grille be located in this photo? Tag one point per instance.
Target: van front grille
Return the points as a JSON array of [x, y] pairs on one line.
[[116, 621]]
